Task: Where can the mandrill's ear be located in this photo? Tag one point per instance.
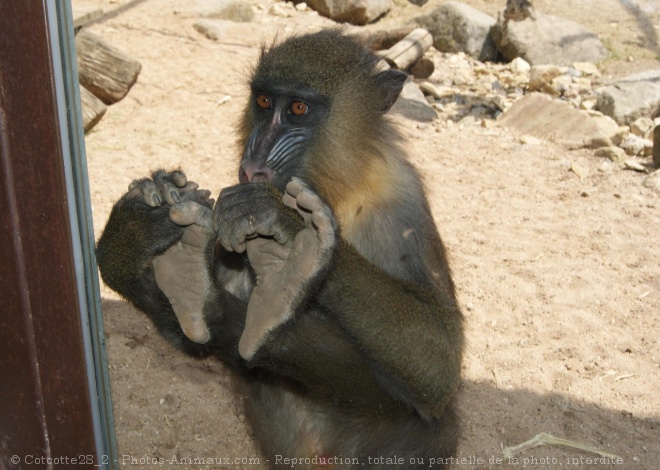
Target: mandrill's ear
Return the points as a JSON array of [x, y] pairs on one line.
[[390, 83]]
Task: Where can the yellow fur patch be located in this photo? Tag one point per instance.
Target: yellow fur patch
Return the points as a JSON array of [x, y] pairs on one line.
[[358, 201]]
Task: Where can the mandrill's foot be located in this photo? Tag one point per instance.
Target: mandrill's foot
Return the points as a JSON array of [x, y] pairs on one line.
[[183, 272], [286, 275]]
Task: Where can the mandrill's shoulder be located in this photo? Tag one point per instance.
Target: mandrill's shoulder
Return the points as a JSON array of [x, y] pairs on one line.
[[391, 224]]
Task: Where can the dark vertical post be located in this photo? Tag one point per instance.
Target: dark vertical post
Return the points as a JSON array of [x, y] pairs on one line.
[[46, 416]]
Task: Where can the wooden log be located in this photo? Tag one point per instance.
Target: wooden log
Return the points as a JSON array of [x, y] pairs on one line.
[[384, 39], [93, 108], [103, 69], [410, 49], [83, 16], [423, 68]]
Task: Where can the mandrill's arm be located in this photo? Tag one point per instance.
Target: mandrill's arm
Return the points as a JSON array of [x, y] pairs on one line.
[[325, 316], [145, 256], [414, 335]]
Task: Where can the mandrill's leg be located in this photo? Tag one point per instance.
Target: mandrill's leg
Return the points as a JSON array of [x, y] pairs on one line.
[[287, 274], [184, 271]]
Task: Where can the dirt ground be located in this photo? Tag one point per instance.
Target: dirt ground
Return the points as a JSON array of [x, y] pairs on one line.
[[558, 274]]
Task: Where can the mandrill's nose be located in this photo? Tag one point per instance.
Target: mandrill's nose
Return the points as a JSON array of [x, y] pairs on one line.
[[249, 173]]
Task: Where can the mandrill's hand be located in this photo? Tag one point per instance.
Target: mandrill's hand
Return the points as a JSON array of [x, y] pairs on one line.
[[183, 272], [288, 272], [250, 210], [169, 187]]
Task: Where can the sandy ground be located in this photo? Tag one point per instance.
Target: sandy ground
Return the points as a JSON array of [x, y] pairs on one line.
[[558, 274]]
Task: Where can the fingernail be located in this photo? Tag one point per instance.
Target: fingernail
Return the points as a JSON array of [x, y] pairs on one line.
[[157, 200], [175, 196]]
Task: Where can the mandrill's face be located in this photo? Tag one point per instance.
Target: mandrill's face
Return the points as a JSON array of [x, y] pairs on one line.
[[310, 94], [285, 121]]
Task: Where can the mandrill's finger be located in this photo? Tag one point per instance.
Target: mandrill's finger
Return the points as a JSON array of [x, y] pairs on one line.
[[309, 201], [190, 212], [179, 178], [291, 198], [289, 201], [295, 186], [166, 185], [149, 191]]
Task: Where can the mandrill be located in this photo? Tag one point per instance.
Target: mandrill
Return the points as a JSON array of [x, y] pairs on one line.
[[320, 278]]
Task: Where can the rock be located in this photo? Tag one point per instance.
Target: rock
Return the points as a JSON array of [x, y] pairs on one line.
[[519, 65], [301, 6], [608, 125], [530, 140], [238, 12], [630, 98], [562, 84], [635, 165], [656, 146], [413, 105], [217, 30], [430, 89], [277, 10], [582, 83], [212, 29], [635, 145], [210, 8], [615, 154], [541, 116], [620, 135], [546, 39], [652, 181], [590, 104], [351, 11], [457, 27], [541, 77], [641, 126], [587, 68]]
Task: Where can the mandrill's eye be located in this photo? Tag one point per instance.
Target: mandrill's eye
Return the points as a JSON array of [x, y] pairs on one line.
[[299, 108], [263, 101]]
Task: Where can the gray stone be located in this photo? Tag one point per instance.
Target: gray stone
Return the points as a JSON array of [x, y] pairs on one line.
[[413, 105], [212, 29], [519, 65], [430, 89], [630, 98], [562, 84], [277, 9], [218, 30], [634, 145], [587, 68], [457, 27], [211, 8], [541, 77], [238, 12], [551, 119], [615, 154], [351, 11], [641, 126], [652, 181], [620, 135], [608, 125], [546, 39]]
